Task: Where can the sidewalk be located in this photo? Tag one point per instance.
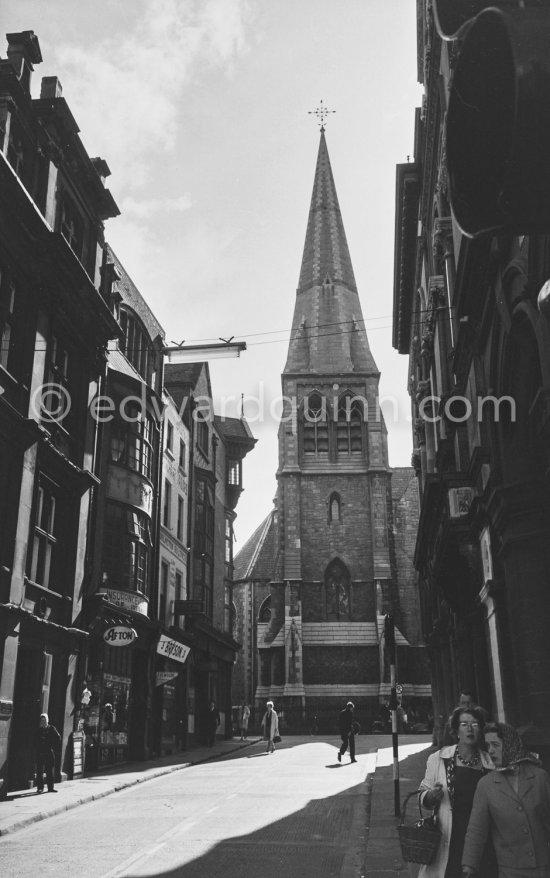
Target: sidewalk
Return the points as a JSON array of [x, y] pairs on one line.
[[24, 807], [383, 855]]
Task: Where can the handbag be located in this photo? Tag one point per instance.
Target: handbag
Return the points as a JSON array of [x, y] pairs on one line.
[[277, 739], [419, 841]]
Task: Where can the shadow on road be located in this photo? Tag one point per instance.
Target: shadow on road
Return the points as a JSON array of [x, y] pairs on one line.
[[310, 842]]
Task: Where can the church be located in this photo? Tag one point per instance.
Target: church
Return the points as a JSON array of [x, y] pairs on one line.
[[314, 581]]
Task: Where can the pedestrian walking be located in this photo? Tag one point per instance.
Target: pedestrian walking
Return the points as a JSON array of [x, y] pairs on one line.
[[347, 731], [47, 739], [245, 716], [511, 808], [212, 723], [452, 774], [270, 726], [465, 701]]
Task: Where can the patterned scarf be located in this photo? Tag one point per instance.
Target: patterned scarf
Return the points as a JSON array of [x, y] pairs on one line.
[[513, 749]]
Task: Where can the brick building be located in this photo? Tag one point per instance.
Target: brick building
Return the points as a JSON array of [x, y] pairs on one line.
[[315, 580]]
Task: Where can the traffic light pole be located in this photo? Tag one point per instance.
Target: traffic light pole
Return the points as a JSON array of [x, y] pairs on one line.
[[389, 633]]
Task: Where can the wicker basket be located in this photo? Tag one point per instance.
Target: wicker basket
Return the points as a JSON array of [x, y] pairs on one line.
[[419, 841]]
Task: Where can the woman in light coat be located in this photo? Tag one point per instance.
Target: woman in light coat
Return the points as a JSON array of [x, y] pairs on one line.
[[449, 783], [512, 808], [270, 726]]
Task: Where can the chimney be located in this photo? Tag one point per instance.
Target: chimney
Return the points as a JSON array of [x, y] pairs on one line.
[[50, 87], [23, 52], [101, 167]]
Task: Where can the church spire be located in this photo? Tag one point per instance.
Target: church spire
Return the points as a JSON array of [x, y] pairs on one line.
[[328, 330], [326, 253]]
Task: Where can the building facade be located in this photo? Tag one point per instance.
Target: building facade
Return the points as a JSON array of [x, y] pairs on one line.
[[470, 315], [171, 673], [336, 560], [54, 328], [217, 448], [116, 608], [122, 590]]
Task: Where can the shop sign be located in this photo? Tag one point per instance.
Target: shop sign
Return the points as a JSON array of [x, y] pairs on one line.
[[165, 677], [126, 600], [460, 500], [120, 635], [172, 648]]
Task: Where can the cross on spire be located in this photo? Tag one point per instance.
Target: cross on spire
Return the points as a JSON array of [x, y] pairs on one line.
[[321, 112]]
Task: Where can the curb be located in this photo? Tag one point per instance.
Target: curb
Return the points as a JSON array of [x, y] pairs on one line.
[[116, 788]]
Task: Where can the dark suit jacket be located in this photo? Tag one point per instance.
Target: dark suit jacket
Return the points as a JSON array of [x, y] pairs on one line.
[[513, 821], [345, 721], [46, 740]]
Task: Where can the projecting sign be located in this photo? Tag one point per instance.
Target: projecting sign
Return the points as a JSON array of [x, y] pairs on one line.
[[120, 635], [165, 677], [172, 648], [125, 599]]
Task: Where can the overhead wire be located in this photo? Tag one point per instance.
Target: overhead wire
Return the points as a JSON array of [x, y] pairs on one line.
[[288, 332]]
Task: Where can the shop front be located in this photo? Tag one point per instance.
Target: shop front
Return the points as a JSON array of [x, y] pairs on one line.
[[116, 692], [210, 679], [170, 701]]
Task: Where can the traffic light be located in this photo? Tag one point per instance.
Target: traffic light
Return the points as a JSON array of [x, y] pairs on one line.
[[498, 117]]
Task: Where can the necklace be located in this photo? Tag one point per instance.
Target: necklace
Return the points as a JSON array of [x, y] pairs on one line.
[[475, 760]]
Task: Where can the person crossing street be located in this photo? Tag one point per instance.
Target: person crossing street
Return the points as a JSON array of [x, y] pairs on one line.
[[347, 731]]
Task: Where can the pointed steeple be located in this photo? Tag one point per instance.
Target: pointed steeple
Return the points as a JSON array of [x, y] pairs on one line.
[[328, 330], [326, 254]]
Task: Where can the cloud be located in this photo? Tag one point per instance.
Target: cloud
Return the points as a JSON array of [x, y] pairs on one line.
[[188, 259], [126, 91], [132, 208]]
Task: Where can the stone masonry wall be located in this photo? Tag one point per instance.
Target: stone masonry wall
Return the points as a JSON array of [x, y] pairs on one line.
[[348, 539]]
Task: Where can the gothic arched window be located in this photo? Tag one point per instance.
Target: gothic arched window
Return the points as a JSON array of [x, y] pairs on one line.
[[337, 591], [265, 610], [334, 507], [349, 437], [315, 425]]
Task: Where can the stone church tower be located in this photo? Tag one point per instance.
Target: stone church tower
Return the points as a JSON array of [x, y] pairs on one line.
[[336, 553]]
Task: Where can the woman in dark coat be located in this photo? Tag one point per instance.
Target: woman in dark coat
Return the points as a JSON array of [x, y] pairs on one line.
[[512, 808]]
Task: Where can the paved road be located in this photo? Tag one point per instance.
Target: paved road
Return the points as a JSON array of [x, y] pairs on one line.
[[293, 814]]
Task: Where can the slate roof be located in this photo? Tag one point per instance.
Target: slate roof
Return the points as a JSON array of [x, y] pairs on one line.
[[401, 479], [258, 558], [234, 429]]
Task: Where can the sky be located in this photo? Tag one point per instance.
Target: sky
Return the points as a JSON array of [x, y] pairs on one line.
[[202, 110]]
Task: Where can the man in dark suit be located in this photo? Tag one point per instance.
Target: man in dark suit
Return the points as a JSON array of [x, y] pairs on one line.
[[46, 740], [347, 731]]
